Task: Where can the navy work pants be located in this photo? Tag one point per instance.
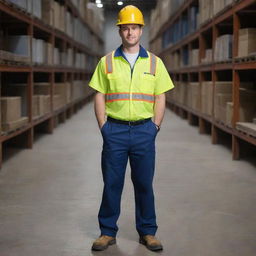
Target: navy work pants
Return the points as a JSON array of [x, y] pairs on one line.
[[120, 143]]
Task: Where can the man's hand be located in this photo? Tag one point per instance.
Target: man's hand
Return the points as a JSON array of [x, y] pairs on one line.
[[159, 109], [99, 108]]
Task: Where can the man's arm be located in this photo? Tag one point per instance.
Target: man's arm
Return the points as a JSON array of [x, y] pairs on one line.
[[159, 109], [99, 108]]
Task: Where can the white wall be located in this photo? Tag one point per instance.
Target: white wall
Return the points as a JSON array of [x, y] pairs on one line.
[[111, 36]]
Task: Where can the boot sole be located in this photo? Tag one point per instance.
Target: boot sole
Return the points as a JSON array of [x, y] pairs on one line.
[[102, 248], [151, 248]]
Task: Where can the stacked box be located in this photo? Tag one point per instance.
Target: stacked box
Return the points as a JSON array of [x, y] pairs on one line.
[[56, 56], [193, 97], [48, 11], [41, 88], [70, 57], [11, 113], [69, 24], [41, 105], [79, 90], [223, 94], [206, 97], [38, 51], [223, 48], [247, 42], [206, 10], [64, 91], [208, 56], [165, 10], [218, 5], [183, 93], [49, 55], [193, 14], [221, 100], [62, 18], [56, 14], [19, 45], [194, 57], [21, 91], [57, 102], [247, 105], [10, 109], [37, 8]]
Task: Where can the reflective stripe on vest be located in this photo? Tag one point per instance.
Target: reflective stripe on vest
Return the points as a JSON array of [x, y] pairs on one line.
[[152, 64], [126, 96], [109, 64]]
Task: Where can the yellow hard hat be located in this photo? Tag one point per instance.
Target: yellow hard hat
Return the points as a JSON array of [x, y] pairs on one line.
[[130, 14]]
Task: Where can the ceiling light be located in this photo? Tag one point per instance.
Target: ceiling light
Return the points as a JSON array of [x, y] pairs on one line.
[[120, 3], [99, 5], [98, 1]]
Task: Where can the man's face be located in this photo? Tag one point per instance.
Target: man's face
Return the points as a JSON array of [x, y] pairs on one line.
[[130, 34]]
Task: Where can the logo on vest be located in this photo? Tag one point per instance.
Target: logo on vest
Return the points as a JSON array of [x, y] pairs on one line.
[[147, 73]]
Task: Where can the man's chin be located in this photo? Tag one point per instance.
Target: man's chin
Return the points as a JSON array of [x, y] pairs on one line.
[[131, 44]]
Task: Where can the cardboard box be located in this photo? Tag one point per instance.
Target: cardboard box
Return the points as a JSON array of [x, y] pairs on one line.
[[208, 56], [48, 11], [41, 105], [64, 90], [194, 96], [20, 90], [223, 48], [221, 100], [56, 15], [10, 109], [42, 88], [246, 42], [206, 97], [19, 45], [37, 8], [194, 57], [57, 102]]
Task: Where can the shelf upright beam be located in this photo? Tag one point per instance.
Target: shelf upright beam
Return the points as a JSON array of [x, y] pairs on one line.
[[214, 129], [30, 82], [236, 27], [202, 127], [235, 119]]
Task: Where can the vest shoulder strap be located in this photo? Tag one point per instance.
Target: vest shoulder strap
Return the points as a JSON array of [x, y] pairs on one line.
[[153, 60], [109, 63]]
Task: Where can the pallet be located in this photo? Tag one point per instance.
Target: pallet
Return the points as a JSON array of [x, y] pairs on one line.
[[16, 7], [13, 59], [15, 125], [247, 128], [226, 61], [249, 58]]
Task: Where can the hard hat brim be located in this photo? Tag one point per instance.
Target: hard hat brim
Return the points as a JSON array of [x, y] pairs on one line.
[[124, 23]]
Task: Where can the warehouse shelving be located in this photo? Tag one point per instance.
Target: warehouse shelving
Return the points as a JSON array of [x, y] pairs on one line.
[[235, 70], [17, 21]]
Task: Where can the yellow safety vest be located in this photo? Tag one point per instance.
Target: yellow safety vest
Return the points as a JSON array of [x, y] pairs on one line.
[[130, 94]]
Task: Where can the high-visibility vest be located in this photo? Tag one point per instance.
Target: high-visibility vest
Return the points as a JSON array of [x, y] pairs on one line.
[[130, 94]]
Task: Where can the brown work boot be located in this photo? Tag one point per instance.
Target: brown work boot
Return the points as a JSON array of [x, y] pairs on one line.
[[103, 242], [151, 243]]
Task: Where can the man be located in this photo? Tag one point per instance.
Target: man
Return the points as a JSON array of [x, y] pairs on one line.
[[130, 84]]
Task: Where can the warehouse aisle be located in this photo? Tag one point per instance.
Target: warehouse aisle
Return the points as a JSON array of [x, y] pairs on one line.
[[49, 196]]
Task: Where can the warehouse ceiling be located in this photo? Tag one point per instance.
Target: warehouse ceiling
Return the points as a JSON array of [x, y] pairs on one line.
[[142, 4]]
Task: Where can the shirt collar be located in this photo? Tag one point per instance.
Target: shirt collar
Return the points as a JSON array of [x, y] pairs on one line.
[[119, 52]]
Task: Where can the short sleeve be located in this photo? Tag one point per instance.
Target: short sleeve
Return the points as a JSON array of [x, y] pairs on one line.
[[98, 81], [163, 80]]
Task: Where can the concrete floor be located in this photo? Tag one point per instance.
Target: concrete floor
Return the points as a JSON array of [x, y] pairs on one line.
[[49, 196]]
